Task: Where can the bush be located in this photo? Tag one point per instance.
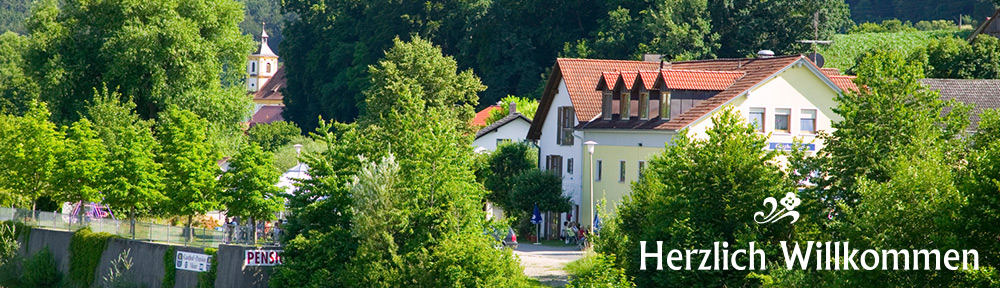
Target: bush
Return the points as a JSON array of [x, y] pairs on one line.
[[273, 135], [120, 275], [83, 249], [169, 267], [207, 279], [40, 270], [597, 271]]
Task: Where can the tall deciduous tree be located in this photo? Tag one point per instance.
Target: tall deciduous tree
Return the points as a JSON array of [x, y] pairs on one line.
[[502, 167], [699, 191], [158, 52], [437, 219], [957, 59], [189, 164], [18, 90], [134, 178], [31, 145], [249, 189], [81, 166], [878, 122]]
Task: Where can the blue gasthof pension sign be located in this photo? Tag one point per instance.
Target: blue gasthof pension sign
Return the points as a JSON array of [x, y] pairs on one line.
[[789, 146]]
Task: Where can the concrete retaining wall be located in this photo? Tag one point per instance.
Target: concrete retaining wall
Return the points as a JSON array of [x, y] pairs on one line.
[[147, 260]]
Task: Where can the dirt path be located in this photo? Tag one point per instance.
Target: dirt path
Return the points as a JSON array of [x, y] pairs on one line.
[[545, 263]]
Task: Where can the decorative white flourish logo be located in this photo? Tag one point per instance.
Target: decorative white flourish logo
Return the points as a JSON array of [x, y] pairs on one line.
[[790, 202]]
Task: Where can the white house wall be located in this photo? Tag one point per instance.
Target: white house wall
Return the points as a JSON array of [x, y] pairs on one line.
[[515, 131], [547, 146]]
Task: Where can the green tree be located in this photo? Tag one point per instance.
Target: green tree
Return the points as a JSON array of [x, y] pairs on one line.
[[532, 187], [79, 174], [955, 58], [699, 191], [745, 27], [189, 165], [13, 15], [249, 189], [31, 145], [438, 204], [503, 166], [18, 89], [329, 46], [133, 178], [878, 122], [525, 106], [682, 30], [160, 53], [272, 136], [264, 11]]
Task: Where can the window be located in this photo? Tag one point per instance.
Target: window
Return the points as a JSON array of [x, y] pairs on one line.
[[502, 142], [569, 166], [606, 106], [807, 122], [623, 104], [757, 119], [268, 68], [600, 168], [781, 117], [621, 171], [566, 123], [253, 67], [644, 106], [642, 167], [665, 106], [554, 163]]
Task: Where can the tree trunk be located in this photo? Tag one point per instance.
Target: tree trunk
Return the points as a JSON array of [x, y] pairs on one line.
[[253, 227], [131, 216], [187, 230]]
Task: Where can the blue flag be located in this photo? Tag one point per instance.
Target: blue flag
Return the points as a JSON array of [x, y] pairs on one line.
[[597, 223], [536, 217]]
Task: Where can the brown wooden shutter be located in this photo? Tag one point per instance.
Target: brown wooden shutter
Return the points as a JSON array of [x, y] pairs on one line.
[[559, 125]]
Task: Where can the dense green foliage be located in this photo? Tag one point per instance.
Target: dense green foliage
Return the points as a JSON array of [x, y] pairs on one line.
[[40, 270], [133, 179], [688, 198], [158, 52], [259, 12], [84, 247], [248, 187], [411, 218], [31, 145], [601, 273], [189, 165], [955, 58], [18, 89], [82, 163], [207, 279], [916, 10], [535, 187], [272, 136], [13, 14], [169, 267], [502, 166], [846, 48], [525, 106]]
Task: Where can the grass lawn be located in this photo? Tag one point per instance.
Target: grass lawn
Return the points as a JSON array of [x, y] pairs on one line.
[[533, 283], [580, 266]]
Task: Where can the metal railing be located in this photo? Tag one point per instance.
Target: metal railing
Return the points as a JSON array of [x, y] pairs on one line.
[[145, 231]]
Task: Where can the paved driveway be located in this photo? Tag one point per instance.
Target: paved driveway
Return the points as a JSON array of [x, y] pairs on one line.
[[545, 263]]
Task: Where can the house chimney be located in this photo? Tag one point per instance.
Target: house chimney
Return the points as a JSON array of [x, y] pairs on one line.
[[513, 107], [765, 54], [651, 57]]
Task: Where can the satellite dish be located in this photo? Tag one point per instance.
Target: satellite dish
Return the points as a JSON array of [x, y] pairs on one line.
[[817, 59]]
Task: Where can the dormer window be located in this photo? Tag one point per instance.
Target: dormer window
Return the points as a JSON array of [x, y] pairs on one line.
[[665, 105], [623, 104], [606, 109], [644, 105]]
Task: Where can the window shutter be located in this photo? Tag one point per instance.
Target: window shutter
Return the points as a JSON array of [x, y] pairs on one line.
[[559, 124]]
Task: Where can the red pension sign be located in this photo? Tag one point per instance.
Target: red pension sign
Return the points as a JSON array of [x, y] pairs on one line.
[[263, 258]]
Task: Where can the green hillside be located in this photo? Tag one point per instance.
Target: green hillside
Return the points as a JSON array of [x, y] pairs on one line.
[[846, 47]]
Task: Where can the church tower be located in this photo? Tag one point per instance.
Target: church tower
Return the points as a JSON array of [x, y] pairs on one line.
[[262, 65]]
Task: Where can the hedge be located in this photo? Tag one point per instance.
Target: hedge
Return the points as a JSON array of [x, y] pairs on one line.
[[169, 268], [207, 279], [85, 250]]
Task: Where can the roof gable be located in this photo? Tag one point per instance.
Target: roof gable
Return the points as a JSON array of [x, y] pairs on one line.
[[500, 123]]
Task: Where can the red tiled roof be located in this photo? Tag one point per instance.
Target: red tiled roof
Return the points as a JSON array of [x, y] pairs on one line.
[[267, 114], [272, 89], [628, 78], [698, 79], [580, 75], [648, 78], [480, 119], [756, 69], [608, 80], [844, 82], [830, 71]]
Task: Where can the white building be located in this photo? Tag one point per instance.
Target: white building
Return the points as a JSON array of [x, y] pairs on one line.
[[511, 128]]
